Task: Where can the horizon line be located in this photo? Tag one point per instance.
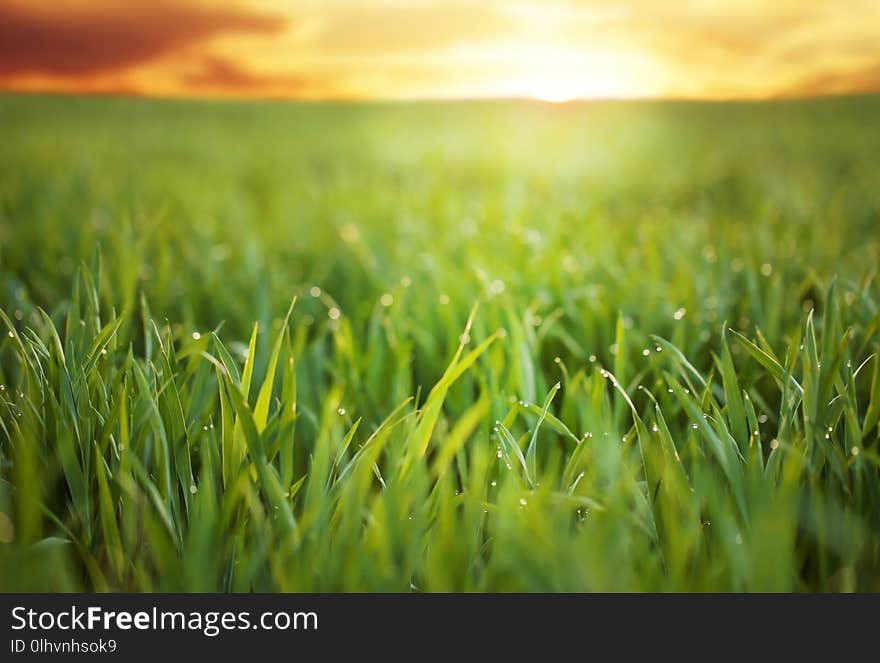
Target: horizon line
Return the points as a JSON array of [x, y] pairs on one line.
[[574, 101]]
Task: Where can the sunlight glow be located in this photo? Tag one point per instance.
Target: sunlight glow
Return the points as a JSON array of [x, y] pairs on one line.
[[553, 94], [589, 84]]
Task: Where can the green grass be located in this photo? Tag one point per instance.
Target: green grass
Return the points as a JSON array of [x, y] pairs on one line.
[[625, 347]]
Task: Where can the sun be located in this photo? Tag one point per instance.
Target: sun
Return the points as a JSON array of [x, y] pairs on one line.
[[553, 88], [554, 93], [559, 82]]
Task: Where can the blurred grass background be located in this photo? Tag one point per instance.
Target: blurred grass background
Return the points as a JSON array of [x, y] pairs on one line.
[[594, 237]]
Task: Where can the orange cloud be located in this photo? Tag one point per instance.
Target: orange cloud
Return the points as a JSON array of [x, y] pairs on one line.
[[221, 76], [859, 80], [393, 28]]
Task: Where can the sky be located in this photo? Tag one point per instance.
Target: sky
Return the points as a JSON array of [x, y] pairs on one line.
[[553, 50]]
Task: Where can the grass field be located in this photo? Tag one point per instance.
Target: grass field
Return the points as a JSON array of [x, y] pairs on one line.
[[601, 346]]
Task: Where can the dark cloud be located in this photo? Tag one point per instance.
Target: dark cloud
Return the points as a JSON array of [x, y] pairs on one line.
[[400, 28], [68, 42]]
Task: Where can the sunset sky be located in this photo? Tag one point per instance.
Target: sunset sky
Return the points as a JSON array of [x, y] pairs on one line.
[[398, 49]]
